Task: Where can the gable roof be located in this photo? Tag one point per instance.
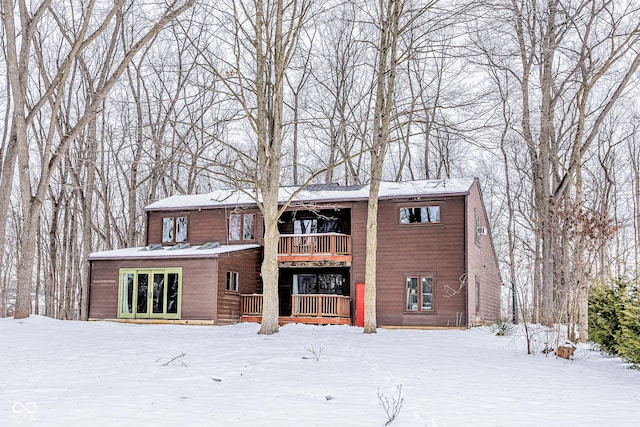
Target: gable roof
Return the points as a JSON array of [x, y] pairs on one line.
[[319, 193]]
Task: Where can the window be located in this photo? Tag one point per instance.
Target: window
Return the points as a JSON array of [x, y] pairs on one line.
[[477, 296], [248, 224], [325, 283], [477, 223], [305, 226], [420, 215], [150, 293], [174, 229], [242, 226], [127, 286], [419, 293], [232, 281]]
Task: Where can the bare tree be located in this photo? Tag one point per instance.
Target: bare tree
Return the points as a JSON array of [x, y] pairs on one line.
[[574, 62], [247, 47], [342, 94], [395, 18], [34, 182]]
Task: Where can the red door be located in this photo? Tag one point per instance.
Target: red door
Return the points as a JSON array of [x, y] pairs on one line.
[[360, 304]]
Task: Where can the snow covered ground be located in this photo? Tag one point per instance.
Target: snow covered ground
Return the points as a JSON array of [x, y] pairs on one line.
[[55, 373]]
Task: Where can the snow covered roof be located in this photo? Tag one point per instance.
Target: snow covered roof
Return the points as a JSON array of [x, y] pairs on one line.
[[319, 193], [145, 252]]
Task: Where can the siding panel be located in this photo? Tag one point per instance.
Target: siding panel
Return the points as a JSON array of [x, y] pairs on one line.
[[247, 264], [435, 250], [203, 226], [199, 284], [482, 264]]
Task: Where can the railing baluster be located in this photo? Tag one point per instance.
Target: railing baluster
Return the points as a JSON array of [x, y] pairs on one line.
[[314, 244], [251, 304], [314, 305]]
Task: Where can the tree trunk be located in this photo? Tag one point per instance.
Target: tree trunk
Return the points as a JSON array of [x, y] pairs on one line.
[[269, 269], [87, 218], [24, 273], [385, 86], [6, 186], [270, 153], [370, 320]]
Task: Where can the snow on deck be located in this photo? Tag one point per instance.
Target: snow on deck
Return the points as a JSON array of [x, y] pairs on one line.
[[168, 252], [319, 193]]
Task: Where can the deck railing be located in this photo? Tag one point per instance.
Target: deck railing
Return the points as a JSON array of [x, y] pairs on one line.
[[302, 305], [251, 304], [315, 244], [320, 306]]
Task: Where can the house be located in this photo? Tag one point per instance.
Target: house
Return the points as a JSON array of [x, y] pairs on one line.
[[201, 263]]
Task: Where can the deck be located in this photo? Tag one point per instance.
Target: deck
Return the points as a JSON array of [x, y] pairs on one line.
[[312, 309], [326, 247]]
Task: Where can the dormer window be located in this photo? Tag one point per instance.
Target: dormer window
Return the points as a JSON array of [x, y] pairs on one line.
[[174, 229]]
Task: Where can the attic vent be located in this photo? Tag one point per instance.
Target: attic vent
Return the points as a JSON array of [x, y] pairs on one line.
[[210, 245], [152, 247], [183, 245]]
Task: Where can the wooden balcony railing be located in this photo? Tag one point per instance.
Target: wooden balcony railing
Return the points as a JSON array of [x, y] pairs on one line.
[[320, 306], [251, 304], [314, 305], [332, 244]]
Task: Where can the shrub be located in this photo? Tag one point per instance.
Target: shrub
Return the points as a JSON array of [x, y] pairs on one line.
[[629, 336], [502, 328], [604, 314], [614, 318]]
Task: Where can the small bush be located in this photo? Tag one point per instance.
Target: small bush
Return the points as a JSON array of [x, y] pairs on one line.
[[316, 353], [502, 328], [391, 405]]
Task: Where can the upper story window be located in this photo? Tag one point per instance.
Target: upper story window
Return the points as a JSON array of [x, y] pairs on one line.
[[305, 226], [477, 296], [478, 232], [242, 226], [174, 229], [420, 215]]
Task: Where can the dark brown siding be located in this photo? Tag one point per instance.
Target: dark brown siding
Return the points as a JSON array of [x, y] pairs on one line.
[[482, 265], [247, 264], [358, 248], [199, 284], [104, 292], [203, 226], [435, 250]]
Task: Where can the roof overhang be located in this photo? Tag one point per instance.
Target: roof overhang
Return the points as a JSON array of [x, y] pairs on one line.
[[297, 195], [166, 252]]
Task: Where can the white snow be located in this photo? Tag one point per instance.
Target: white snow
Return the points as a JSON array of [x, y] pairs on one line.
[[57, 373], [388, 190], [168, 252]]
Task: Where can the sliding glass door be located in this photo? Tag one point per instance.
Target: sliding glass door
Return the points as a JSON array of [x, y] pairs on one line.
[[150, 293]]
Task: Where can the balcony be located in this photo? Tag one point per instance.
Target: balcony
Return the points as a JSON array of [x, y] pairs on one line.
[[328, 247], [313, 309]]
